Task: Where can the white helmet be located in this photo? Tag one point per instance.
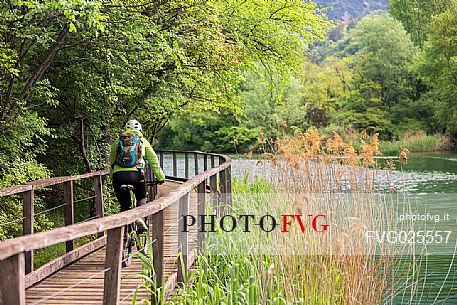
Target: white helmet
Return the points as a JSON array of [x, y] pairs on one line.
[[133, 125]]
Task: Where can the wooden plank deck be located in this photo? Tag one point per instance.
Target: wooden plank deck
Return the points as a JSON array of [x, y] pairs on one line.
[[82, 281]]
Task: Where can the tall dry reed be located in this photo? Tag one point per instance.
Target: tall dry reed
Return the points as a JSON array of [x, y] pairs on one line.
[[330, 177]]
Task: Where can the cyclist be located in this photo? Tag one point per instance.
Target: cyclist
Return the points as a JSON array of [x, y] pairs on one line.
[[128, 165]]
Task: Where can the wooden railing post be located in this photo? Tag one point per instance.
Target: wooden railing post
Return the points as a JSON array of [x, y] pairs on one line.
[[12, 284], [229, 185], [186, 165], [214, 196], [201, 201], [69, 211], [212, 161], [223, 192], [183, 242], [27, 225], [98, 191], [157, 221], [196, 163], [99, 205], [175, 167], [161, 159], [205, 165], [113, 264]]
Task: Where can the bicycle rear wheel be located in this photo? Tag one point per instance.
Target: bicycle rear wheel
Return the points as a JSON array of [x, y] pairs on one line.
[[129, 243]]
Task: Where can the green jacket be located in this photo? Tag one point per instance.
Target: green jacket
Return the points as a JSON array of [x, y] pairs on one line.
[[148, 154]]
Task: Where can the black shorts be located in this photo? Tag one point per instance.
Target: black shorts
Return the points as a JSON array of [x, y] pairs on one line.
[[134, 178]]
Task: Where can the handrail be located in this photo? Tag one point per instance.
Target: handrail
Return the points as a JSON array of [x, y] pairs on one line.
[[47, 182], [15, 252]]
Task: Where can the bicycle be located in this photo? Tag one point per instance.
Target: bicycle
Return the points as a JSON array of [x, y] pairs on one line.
[[135, 235]]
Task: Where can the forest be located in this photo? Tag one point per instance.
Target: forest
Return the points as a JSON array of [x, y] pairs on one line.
[[392, 73], [350, 9], [214, 76]]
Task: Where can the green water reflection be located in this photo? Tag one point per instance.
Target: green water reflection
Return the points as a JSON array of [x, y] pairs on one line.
[[433, 188]]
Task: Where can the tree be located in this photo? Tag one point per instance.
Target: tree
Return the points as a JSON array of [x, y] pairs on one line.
[[365, 80], [437, 66], [382, 53], [75, 68], [32, 34], [416, 15]]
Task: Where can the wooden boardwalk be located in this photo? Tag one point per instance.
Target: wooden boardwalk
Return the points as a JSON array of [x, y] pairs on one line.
[[92, 273], [82, 282]]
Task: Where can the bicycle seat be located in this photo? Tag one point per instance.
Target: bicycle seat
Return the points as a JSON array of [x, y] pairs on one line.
[[127, 187]]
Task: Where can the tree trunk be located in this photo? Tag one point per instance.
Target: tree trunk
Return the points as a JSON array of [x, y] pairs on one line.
[[107, 132], [43, 66], [83, 147]]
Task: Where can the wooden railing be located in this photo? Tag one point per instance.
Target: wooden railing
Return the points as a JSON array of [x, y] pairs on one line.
[[16, 255]]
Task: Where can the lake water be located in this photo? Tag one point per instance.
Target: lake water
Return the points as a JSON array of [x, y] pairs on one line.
[[433, 182]]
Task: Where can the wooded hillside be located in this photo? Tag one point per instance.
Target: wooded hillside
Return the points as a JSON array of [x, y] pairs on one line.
[[350, 9]]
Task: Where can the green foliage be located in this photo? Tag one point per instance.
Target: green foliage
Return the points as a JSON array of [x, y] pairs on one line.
[[43, 256], [373, 78], [73, 72], [11, 217], [384, 52], [21, 141], [208, 132], [32, 32], [230, 271], [437, 65], [80, 67], [262, 28], [416, 15], [264, 104], [258, 28], [245, 186], [365, 80]]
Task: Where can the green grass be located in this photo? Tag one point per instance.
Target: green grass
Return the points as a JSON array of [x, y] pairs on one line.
[[416, 143], [45, 255], [236, 278]]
